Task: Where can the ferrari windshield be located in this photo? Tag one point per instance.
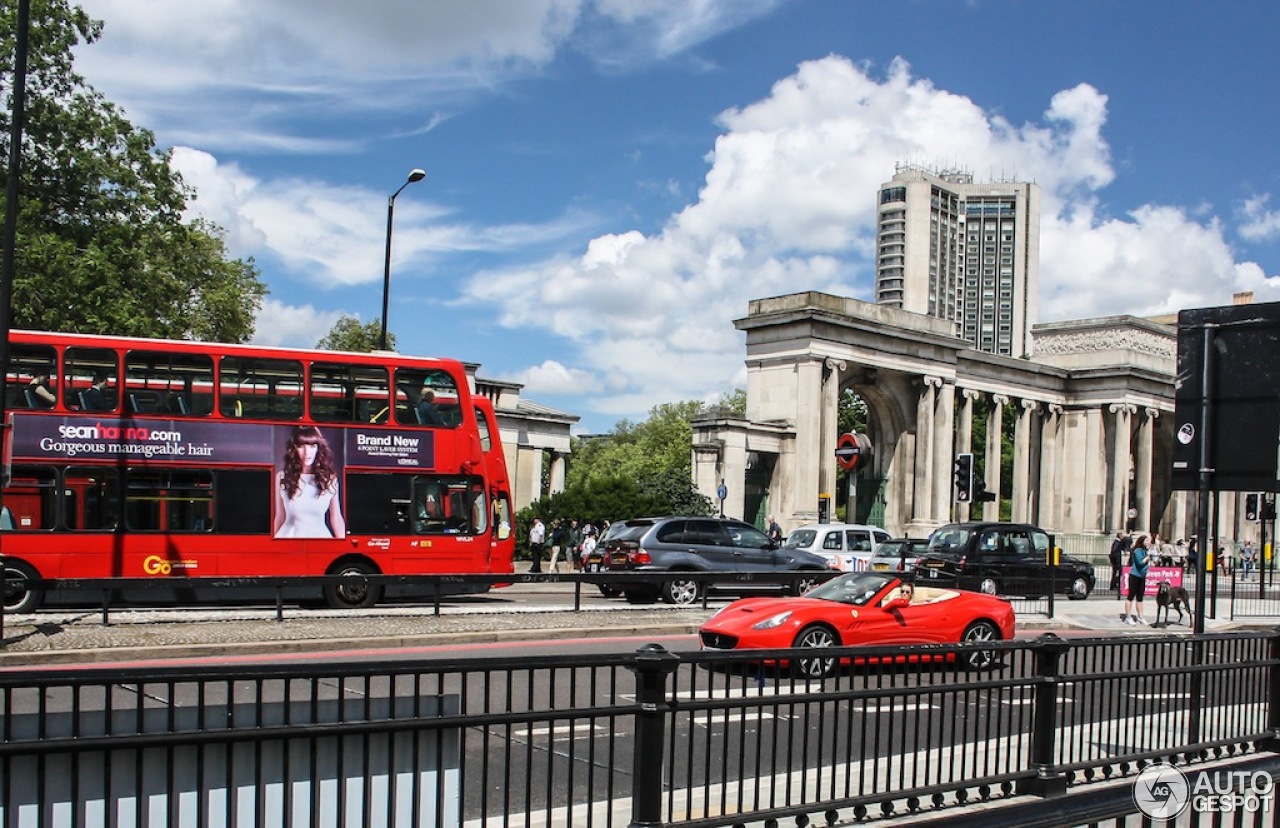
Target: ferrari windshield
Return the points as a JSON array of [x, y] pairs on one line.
[[856, 589]]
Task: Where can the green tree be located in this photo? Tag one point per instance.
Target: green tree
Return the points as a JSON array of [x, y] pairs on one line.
[[349, 334], [102, 244]]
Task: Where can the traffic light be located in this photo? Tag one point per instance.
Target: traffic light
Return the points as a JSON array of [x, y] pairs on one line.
[[964, 478], [1251, 511]]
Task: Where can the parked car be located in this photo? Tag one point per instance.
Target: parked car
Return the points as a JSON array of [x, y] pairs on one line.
[[1000, 559], [848, 546], [897, 554], [885, 611], [669, 548]]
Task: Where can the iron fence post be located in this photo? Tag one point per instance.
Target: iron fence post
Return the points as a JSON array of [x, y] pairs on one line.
[[1048, 782], [652, 666], [1272, 742]]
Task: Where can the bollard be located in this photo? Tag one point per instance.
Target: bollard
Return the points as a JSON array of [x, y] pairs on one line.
[[1272, 742], [652, 666], [1044, 724]]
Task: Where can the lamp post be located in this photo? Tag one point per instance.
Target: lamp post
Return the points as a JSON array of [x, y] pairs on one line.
[[414, 175]]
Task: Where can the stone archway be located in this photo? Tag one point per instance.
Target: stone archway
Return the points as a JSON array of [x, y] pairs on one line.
[[921, 383]]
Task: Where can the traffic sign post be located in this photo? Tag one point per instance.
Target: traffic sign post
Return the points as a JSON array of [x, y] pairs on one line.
[[848, 451]]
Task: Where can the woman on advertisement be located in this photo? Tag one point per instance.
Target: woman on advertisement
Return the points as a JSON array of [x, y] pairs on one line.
[[307, 489]]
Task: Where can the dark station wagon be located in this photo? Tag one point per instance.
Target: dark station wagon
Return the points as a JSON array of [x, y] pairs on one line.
[[672, 548]]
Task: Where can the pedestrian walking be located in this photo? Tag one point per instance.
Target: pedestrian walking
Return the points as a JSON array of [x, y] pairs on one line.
[[1118, 547], [557, 544]]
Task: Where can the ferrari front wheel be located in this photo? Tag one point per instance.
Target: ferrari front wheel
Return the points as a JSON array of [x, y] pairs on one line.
[[816, 637], [979, 632]]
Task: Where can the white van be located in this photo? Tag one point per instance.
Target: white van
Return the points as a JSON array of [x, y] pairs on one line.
[[848, 546]]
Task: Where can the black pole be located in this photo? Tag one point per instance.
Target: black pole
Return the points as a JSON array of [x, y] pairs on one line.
[[17, 121], [386, 269], [1196, 700], [414, 175]]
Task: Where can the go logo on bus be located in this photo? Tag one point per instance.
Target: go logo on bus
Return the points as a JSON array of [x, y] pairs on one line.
[[156, 565]]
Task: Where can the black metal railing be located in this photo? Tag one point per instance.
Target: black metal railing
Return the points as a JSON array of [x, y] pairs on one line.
[[652, 738]]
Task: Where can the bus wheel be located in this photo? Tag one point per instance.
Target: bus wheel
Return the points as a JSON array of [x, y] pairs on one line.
[[355, 593], [18, 596]]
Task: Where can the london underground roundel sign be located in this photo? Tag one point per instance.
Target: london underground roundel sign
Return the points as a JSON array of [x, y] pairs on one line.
[[848, 451]]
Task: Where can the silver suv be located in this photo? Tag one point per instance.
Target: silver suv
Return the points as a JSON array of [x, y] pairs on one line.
[[669, 546]]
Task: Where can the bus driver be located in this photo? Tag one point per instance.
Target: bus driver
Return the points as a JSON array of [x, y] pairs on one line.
[[307, 489]]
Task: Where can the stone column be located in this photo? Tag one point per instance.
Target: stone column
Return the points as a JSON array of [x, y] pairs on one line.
[[926, 442], [964, 442], [555, 473], [1021, 511], [808, 439], [1049, 509], [1146, 452], [830, 428], [995, 438], [943, 455], [922, 518], [1121, 462]]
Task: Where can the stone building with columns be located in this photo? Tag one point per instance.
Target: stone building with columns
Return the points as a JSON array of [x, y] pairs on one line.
[[1092, 424], [535, 439]]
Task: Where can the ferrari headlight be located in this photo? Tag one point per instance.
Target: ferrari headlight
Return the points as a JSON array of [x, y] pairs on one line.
[[773, 621]]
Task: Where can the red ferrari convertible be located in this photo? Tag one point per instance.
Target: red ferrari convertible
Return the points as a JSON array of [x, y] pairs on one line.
[[865, 608]]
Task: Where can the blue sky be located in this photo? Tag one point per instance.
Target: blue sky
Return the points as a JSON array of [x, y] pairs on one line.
[[609, 182]]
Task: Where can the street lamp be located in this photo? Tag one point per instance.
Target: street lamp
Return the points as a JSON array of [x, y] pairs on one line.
[[414, 175]]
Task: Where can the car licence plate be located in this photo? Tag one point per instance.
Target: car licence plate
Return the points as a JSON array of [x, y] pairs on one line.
[[881, 567]]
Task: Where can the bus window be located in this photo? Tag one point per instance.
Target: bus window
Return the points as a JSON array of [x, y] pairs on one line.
[[378, 504], [343, 393], [90, 499], [502, 516], [427, 397], [87, 369], [242, 501], [171, 384], [31, 368], [482, 423], [168, 500], [31, 499], [449, 506], [260, 388]]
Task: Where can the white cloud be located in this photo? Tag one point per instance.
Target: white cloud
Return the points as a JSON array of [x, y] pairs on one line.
[[552, 377], [283, 67], [1257, 222], [290, 326], [333, 236], [787, 206]]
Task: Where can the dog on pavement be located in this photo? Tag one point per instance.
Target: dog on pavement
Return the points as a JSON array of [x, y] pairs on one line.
[[1168, 596]]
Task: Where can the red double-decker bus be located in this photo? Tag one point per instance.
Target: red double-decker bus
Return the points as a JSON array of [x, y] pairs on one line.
[[154, 458]]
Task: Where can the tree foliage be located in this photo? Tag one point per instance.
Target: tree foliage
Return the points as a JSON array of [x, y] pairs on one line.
[[637, 469], [102, 244], [349, 334]]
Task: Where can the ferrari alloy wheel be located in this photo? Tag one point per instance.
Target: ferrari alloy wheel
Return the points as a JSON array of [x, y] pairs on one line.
[[1079, 589], [680, 591], [979, 632], [815, 637], [989, 586]]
